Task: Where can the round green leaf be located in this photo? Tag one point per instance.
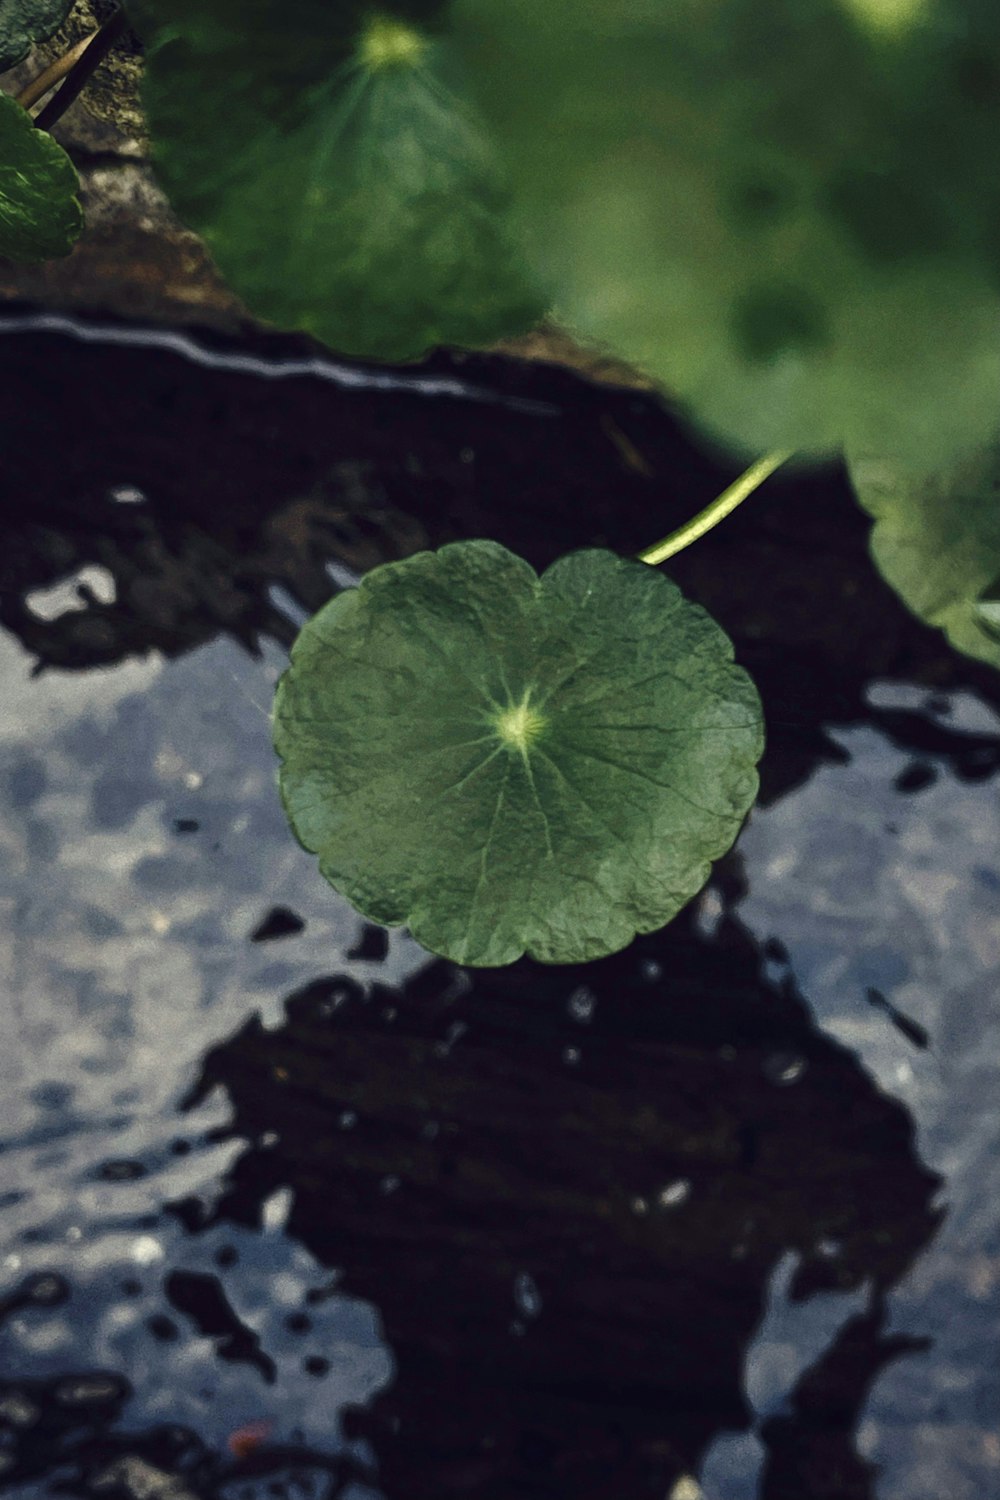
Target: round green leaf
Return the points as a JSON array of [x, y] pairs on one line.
[[23, 22], [510, 764], [936, 540], [340, 183], [39, 215]]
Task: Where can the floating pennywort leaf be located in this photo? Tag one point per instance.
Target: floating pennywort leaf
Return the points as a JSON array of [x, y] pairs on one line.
[[511, 764]]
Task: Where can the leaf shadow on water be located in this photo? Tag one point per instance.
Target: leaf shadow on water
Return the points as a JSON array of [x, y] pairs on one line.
[[566, 1196], [644, 1176], [567, 1192]]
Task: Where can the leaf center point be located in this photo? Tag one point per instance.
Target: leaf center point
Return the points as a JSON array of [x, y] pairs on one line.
[[388, 43], [888, 15], [519, 725]]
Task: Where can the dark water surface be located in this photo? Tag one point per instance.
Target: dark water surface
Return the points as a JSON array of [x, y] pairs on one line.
[[291, 1209]]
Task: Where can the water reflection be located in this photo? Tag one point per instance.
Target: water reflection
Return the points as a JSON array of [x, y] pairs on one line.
[[574, 1258], [420, 1231], [125, 950], [903, 904], [156, 499], [157, 496]]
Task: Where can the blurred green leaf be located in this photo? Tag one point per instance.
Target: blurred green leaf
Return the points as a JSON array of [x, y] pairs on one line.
[[39, 214], [936, 540], [785, 211], [341, 184]]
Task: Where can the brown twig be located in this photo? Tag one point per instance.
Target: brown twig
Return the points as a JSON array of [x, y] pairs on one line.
[[53, 74], [99, 45]]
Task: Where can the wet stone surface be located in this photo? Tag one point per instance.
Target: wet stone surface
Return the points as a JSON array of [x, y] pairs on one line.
[[288, 1208]]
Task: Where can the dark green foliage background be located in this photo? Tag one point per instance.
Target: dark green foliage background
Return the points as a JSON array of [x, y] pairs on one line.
[[788, 216]]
